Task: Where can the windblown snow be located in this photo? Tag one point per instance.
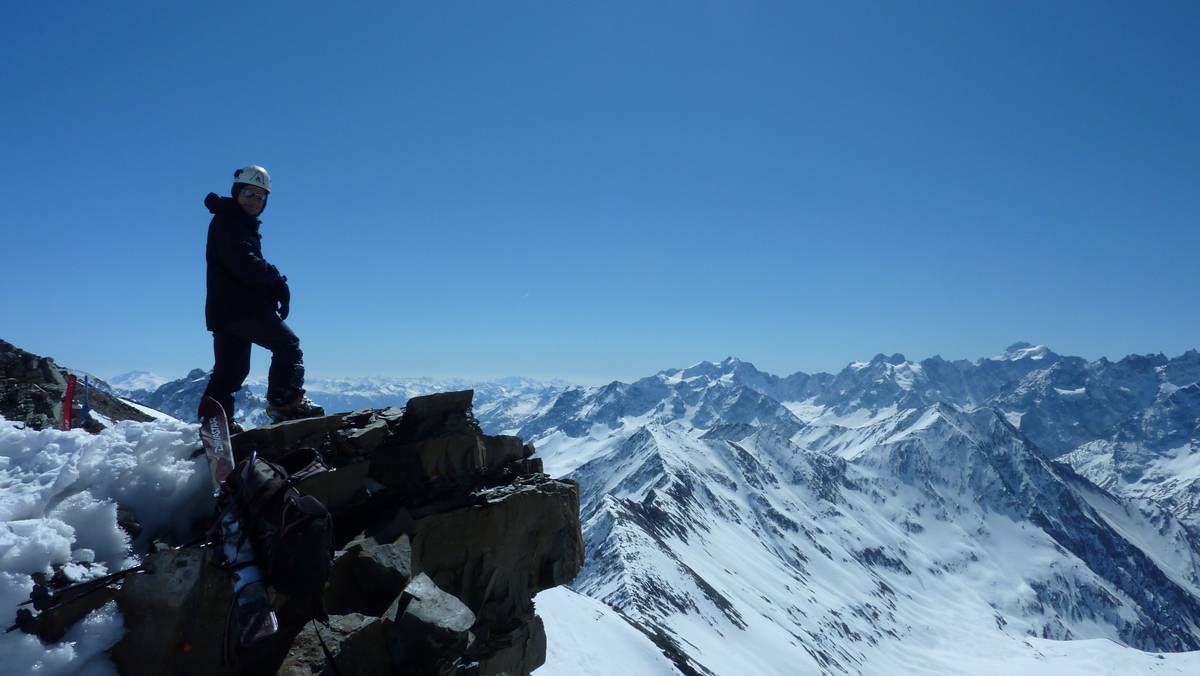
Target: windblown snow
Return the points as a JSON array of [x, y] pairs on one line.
[[59, 495]]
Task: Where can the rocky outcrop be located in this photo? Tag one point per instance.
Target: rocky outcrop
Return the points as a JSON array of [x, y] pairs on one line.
[[443, 536], [32, 390]]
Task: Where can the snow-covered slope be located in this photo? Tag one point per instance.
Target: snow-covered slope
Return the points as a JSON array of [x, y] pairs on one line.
[[749, 536], [592, 639]]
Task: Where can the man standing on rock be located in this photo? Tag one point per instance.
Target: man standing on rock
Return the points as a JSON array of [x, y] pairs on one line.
[[247, 302]]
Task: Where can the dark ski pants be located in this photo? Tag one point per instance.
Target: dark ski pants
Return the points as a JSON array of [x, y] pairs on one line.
[[231, 353]]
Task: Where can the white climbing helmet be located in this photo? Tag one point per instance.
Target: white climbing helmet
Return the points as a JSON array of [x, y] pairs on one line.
[[253, 175]]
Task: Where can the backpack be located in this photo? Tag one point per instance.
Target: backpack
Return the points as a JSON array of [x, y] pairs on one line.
[[292, 534]]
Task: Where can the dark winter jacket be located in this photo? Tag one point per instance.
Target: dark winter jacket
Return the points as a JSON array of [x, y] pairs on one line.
[[241, 283]]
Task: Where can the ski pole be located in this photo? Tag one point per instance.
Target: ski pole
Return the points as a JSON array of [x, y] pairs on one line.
[[43, 599]]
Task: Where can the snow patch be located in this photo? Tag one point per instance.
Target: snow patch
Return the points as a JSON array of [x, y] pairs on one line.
[[585, 637], [59, 493], [153, 413], [1021, 351]]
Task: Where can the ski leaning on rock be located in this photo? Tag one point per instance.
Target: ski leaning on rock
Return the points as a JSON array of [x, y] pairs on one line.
[[252, 606]]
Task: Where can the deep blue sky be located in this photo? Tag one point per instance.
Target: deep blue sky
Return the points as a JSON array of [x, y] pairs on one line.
[[600, 191]]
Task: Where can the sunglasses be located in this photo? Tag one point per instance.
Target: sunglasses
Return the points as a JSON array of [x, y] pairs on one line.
[[247, 192]]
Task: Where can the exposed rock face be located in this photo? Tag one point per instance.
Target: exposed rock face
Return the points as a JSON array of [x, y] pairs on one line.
[[175, 614], [32, 390], [424, 624], [358, 642], [444, 535]]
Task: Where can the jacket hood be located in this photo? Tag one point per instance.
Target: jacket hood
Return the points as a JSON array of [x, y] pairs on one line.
[[226, 205], [215, 203]]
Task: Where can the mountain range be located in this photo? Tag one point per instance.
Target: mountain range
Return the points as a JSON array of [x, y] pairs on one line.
[[931, 517], [894, 514], [500, 404]]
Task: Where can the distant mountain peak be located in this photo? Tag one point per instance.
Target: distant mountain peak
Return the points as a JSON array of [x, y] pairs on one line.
[[137, 380], [1022, 350], [727, 367], [701, 368]]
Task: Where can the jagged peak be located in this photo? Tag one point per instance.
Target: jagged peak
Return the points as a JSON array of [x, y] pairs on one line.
[[895, 359], [726, 365], [907, 423], [727, 368], [1022, 350], [701, 368], [932, 432], [880, 362], [615, 386], [1191, 356], [1153, 360]]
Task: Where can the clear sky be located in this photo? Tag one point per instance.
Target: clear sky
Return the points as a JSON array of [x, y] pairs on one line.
[[602, 190]]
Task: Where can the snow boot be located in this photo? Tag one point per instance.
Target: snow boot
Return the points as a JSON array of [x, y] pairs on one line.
[[300, 407]]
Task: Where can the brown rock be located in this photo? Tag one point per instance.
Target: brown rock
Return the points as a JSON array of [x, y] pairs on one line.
[[358, 644], [519, 651], [174, 615], [429, 630], [338, 488], [273, 440], [461, 460], [413, 466], [364, 440], [438, 415], [495, 557], [367, 576]]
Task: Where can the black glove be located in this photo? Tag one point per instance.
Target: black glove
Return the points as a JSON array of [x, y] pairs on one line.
[[284, 298]]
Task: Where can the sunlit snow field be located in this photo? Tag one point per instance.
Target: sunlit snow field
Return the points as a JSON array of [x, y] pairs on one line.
[[587, 638]]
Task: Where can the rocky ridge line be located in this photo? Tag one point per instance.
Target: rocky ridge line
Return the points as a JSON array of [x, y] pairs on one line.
[[32, 389]]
